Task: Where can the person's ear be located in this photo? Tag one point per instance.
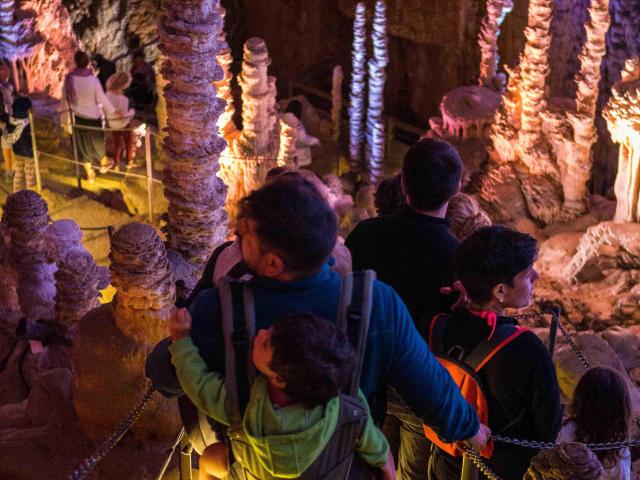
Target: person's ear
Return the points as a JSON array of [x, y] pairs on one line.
[[278, 382], [459, 187], [499, 292], [272, 265]]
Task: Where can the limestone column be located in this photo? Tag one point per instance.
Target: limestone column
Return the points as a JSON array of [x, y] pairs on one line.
[[497, 10], [189, 40], [358, 85]]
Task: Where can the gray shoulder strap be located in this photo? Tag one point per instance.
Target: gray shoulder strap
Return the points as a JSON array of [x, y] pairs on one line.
[[226, 309]]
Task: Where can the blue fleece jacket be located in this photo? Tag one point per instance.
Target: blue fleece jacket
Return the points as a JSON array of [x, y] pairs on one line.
[[395, 354]]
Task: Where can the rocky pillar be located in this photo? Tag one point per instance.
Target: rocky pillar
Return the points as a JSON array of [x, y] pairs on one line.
[[223, 86], [26, 218], [336, 101], [497, 10], [358, 85], [288, 136], [189, 40]]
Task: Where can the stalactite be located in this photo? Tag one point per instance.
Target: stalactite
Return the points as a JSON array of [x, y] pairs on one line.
[[497, 10], [189, 36], [17, 34], [377, 77], [336, 101], [288, 136], [358, 84], [623, 119]]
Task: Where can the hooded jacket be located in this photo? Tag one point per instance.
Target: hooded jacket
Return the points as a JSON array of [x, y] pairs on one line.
[[281, 442]]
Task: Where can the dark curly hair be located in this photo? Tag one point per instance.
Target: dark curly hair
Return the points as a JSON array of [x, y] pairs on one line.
[[490, 256], [601, 410], [311, 356]]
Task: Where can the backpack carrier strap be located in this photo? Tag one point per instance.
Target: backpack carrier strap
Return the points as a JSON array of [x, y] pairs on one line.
[[238, 326], [485, 350], [354, 314]]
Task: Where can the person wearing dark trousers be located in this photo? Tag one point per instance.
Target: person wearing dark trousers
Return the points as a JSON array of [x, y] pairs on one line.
[[413, 252]]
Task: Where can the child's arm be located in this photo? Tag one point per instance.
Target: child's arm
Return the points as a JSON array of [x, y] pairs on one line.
[[373, 447], [203, 387]]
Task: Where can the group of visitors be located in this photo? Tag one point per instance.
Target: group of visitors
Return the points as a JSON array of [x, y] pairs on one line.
[[87, 110], [286, 241]]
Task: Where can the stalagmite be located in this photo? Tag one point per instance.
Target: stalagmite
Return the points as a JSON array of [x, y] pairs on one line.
[[377, 77], [288, 136], [623, 119], [78, 284], [358, 84], [497, 10], [189, 40], [336, 101], [254, 151], [223, 86], [26, 218], [119, 336]]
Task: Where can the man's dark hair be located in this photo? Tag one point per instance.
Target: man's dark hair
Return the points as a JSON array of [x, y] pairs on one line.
[[432, 171], [389, 197], [311, 356], [490, 256], [295, 107], [81, 59], [293, 220]]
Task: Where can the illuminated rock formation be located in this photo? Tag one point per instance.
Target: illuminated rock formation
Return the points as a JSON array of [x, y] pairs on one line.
[[550, 142], [17, 36], [26, 218], [288, 136], [497, 10], [377, 75], [189, 35], [112, 342], [358, 85], [336, 101], [623, 119], [254, 151], [223, 86], [51, 58]]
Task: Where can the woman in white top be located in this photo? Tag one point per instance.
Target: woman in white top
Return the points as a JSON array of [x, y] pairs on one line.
[[600, 411], [84, 98], [123, 139]]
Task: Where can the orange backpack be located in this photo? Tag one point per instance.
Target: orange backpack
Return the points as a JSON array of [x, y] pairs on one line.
[[464, 371]]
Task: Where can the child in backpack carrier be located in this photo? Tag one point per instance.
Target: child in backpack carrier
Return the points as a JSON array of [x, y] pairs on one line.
[[600, 411], [294, 409]]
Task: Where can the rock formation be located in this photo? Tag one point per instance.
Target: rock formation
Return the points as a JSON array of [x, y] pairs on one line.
[[377, 75], [497, 10], [17, 35], [550, 142], [254, 151], [336, 101], [288, 135], [52, 55], [223, 86], [623, 119], [189, 35], [358, 85], [26, 218], [119, 336], [568, 460]]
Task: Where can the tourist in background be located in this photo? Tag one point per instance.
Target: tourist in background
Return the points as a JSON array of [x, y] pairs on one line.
[[123, 138], [6, 100], [600, 411], [143, 79], [465, 216], [83, 97], [16, 134]]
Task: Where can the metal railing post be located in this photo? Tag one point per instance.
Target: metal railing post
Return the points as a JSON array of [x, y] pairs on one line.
[[75, 149], [147, 157], [36, 162], [186, 472]]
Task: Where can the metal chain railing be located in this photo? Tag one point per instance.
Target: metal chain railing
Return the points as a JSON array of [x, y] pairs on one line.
[[476, 459], [86, 467]]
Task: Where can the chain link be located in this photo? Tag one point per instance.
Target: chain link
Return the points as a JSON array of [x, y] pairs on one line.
[[479, 463], [86, 467]]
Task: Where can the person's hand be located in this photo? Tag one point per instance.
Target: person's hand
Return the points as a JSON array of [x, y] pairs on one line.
[[180, 324], [480, 439], [463, 299]]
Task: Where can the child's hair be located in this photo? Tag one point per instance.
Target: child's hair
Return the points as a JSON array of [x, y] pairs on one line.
[[118, 81], [311, 356], [465, 216], [601, 410], [21, 107], [389, 197]]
